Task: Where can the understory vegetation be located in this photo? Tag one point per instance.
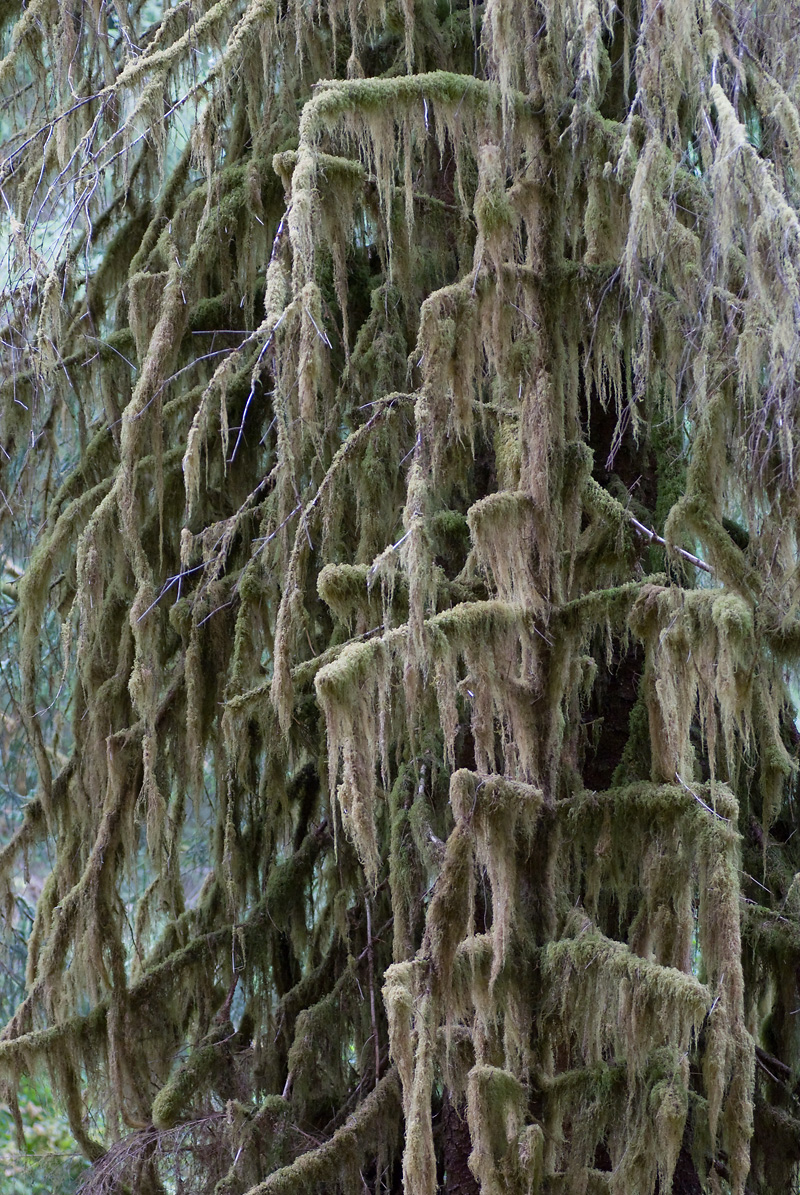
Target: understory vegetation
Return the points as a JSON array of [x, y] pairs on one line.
[[399, 611]]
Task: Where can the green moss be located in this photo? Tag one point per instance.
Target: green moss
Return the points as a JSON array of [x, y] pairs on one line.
[[344, 588], [374, 1122], [192, 1078], [289, 878], [635, 762]]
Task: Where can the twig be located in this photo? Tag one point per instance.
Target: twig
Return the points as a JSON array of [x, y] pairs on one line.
[[371, 973], [699, 800], [762, 1057], [650, 535]]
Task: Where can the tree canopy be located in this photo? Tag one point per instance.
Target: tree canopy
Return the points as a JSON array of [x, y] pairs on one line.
[[399, 437]]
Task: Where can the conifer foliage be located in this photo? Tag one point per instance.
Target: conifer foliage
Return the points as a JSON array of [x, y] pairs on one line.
[[399, 441]]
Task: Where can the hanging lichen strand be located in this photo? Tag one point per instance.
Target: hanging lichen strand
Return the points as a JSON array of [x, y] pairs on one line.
[[400, 509]]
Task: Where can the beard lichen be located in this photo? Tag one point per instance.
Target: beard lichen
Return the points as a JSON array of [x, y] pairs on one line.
[[400, 591]]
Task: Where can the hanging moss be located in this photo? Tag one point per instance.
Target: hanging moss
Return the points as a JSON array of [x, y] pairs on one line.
[[397, 416]]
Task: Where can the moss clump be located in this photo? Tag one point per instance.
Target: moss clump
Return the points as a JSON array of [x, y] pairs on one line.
[[191, 1078]]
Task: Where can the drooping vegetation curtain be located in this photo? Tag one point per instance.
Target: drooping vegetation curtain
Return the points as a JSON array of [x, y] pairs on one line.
[[400, 512]]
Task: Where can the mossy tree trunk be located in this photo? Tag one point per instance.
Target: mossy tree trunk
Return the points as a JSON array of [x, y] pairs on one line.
[[399, 448]]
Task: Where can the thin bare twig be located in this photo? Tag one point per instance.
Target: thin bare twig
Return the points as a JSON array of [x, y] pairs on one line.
[[649, 534], [371, 974]]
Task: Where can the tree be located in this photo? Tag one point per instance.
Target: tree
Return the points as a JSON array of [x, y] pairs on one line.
[[399, 438]]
